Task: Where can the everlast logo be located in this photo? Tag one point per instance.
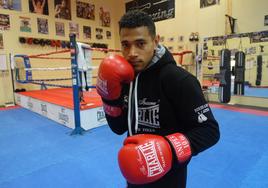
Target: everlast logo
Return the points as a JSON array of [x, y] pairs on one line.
[[152, 162], [100, 115]]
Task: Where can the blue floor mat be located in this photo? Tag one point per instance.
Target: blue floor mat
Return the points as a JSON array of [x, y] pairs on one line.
[[37, 152]]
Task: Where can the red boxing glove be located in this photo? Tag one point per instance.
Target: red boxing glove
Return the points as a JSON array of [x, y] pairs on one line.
[[145, 158], [113, 71], [181, 146]]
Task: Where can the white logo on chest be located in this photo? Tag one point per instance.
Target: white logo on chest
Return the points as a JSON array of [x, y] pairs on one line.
[[149, 113]]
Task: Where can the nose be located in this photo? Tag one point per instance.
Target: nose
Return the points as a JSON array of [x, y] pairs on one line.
[[133, 52]]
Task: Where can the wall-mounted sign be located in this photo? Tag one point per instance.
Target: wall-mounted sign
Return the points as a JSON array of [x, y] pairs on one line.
[[266, 20], [157, 9]]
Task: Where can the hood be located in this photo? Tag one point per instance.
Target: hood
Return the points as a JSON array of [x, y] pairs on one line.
[[161, 57]]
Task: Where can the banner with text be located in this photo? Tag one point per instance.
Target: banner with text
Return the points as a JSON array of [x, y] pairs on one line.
[[157, 9]]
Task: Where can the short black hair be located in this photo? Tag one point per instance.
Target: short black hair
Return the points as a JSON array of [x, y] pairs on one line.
[[137, 18]]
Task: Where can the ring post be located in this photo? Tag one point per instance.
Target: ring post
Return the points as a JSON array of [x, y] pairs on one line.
[[28, 72], [75, 82]]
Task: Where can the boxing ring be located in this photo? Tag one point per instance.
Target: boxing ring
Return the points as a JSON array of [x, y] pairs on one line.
[[67, 96], [57, 105]]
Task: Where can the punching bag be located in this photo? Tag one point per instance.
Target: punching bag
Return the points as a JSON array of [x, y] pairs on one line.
[[225, 76], [239, 72], [259, 70]]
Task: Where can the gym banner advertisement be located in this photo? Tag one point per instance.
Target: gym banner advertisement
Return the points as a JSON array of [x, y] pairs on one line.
[[157, 9]]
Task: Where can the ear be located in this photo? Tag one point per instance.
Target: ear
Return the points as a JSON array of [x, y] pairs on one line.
[[156, 40]]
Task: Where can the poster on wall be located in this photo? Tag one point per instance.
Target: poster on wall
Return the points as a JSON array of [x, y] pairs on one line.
[[87, 32], [60, 30], [4, 22], [108, 34], [1, 41], [105, 18], [38, 6], [74, 28], [99, 33], [63, 9], [157, 9], [25, 24], [85, 10], [42, 25], [11, 5], [207, 3]]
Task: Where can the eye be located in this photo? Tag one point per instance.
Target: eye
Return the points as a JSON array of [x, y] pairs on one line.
[[124, 45], [140, 44]]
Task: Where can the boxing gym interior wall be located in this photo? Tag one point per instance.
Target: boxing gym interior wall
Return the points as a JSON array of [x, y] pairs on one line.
[[21, 21]]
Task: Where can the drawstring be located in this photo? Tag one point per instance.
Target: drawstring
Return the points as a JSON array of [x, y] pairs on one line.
[[130, 111], [129, 108], [136, 105]]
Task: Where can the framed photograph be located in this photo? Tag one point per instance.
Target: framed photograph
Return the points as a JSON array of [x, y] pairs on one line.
[[60, 29], [4, 22], [25, 24], [87, 32], [108, 34], [63, 9], [74, 28], [42, 25], [266, 20], [85, 10], [38, 6], [99, 33], [11, 4], [105, 17]]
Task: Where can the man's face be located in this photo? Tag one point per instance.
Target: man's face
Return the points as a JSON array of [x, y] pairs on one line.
[[63, 3], [39, 3], [138, 46]]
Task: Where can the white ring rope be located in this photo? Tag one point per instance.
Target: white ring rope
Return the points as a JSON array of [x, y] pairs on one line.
[[55, 69]]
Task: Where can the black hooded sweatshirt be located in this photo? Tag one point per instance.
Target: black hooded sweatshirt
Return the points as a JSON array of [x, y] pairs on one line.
[[166, 99]]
